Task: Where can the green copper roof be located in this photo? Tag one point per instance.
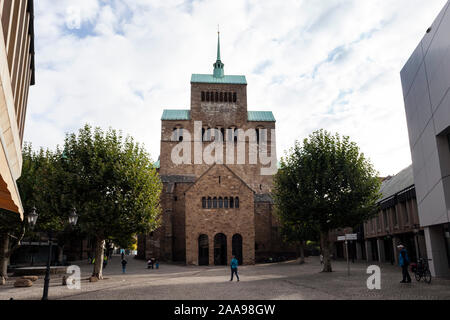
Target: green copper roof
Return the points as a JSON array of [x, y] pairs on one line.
[[176, 115], [157, 164], [218, 66], [209, 78], [263, 116]]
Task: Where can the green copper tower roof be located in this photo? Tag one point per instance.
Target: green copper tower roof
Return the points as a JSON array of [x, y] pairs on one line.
[[176, 115], [218, 75]]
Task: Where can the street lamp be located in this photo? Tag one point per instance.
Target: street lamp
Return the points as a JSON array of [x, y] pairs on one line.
[[73, 217], [32, 219]]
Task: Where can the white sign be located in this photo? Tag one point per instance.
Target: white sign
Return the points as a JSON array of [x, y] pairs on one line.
[[352, 236]]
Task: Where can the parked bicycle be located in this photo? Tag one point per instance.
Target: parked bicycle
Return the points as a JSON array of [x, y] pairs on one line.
[[421, 270]]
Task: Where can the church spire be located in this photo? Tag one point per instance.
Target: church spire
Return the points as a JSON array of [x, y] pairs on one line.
[[218, 66]]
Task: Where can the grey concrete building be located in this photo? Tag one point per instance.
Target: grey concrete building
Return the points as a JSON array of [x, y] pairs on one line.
[[426, 86]]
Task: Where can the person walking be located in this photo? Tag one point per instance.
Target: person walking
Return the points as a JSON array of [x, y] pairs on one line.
[[124, 265], [404, 263], [234, 268]]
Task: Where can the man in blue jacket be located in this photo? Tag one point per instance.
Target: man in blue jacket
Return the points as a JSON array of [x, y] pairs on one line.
[[234, 268], [403, 260]]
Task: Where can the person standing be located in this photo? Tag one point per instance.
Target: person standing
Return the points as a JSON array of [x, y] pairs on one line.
[[404, 263], [124, 265], [234, 268]]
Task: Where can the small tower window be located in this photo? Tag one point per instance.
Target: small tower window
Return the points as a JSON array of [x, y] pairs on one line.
[[207, 96], [221, 97], [220, 202], [231, 202], [230, 98], [234, 97], [209, 203], [203, 96], [217, 97], [225, 203], [236, 202], [215, 203], [204, 202], [225, 97]]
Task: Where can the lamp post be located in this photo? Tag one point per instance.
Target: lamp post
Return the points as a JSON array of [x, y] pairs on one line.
[[32, 219]]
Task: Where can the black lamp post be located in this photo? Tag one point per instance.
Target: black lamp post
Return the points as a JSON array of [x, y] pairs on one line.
[[32, 219]]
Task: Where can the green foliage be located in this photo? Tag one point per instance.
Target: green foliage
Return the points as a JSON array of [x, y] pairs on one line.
[[112, 183], [325, 184]]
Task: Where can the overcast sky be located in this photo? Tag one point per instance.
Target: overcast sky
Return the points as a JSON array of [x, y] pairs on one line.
[[332, 64]]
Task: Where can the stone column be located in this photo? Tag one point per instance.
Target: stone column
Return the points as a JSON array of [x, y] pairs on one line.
[[436, 251], [395, 243], [381, 253], [211, 249], [229, 248], [368, 250], [358, 251]]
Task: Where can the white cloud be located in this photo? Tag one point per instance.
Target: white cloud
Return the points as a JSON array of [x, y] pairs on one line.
[[316, 64]]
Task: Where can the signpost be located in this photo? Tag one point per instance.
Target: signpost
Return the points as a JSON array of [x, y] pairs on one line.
[[347, 238]]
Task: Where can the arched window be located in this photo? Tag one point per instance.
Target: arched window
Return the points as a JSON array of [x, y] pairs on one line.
[[207, 96], [204, 203], [209, 203], [177, 134], [220, 202], [231, 202], [203, 95], [234, 97], [236, 202], [225, 203], [215, 203]]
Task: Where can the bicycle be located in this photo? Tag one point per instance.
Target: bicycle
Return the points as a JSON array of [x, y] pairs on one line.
[[422, 270]]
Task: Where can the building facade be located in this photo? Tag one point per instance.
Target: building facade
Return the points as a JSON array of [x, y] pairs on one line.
[[426, 83], [16, 77], [397, 221], [213, 209]]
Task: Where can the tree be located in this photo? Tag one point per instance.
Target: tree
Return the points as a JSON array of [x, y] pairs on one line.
[[113, 185], [297, 234], [41, 186], [326, 183]]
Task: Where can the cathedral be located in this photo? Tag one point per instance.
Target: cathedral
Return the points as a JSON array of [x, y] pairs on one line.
[[216, 164]]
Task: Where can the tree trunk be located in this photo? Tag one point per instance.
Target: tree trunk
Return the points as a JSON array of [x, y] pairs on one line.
[[301, 248], [325, 244], [98, 265], [60, 255], [4, 257]]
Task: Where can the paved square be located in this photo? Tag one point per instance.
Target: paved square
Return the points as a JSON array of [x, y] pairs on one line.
[[266, 281]]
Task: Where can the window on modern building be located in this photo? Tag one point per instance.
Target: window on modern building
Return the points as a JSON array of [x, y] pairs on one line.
[[236, 202], [209, 203], [204, 202], [405, 212], [385, 218], [203, 96], [225, 203], [220, 202], [231, 202], [215, 203], [234, 97]]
